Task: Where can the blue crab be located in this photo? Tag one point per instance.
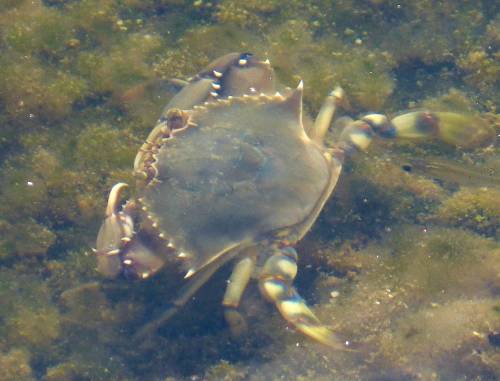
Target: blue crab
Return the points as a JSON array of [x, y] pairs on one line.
[[235, 171]]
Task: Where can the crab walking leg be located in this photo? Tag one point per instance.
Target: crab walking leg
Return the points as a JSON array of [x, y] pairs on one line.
[[237, 284], [358, 134], [183, 297], [195, 282], [275, 283], [325, 114]]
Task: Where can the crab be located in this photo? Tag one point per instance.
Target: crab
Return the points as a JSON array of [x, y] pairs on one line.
[[234, 170]]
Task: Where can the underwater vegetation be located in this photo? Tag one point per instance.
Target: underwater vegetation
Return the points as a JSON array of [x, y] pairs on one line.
[[405, 264]]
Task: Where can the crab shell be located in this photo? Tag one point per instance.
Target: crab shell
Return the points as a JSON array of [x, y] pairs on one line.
[[234, 169], [229, 171]]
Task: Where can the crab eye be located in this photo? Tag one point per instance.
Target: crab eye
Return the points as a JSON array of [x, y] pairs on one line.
[[244, 57], [407, 168]]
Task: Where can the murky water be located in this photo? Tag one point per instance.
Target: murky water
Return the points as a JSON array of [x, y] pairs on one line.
[[403, 262]]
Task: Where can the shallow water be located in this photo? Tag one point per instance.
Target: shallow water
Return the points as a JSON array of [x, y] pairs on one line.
[[403, 264]]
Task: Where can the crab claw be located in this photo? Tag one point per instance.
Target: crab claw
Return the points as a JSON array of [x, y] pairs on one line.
[[461, 130], [115, 232], [140, 260]]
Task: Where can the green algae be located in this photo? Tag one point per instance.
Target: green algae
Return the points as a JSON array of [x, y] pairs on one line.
[[477, 209], [224, 371], [79, 93], [32, 28], [418, 285], [29, 89], [102, 148], [28, 238], [15, 366], [122, 66], [31, 321], [36, 328]]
